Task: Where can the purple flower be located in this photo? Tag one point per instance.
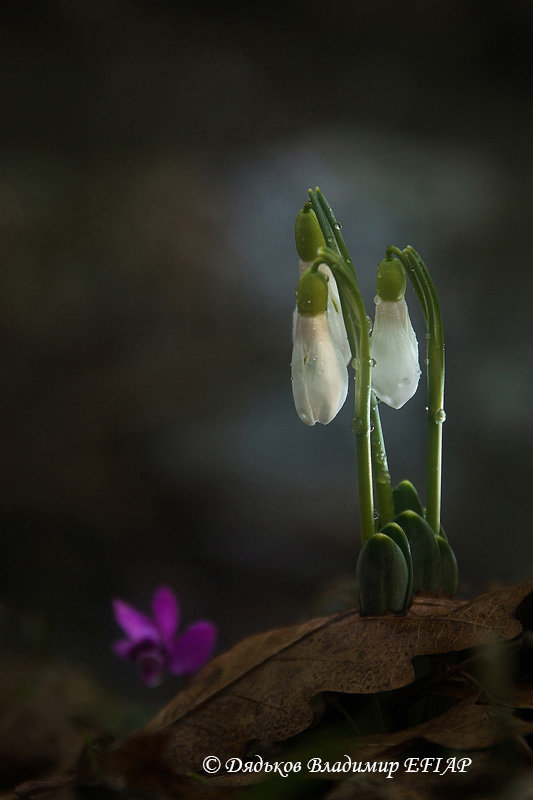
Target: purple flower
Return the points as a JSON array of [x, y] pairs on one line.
[[152, 642]]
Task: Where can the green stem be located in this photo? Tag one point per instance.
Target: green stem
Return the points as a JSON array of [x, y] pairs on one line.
[[419, 283], [331, 227], [425, 289], [331, 232], [336, 228], [436, 413], [353, 309], [380, 467], [325, 225]]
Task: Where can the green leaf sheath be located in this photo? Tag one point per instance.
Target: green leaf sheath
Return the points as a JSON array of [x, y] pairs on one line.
[[380, 467]]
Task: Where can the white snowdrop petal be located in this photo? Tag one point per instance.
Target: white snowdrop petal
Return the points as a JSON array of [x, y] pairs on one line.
[[319, 374], [334, 312], [299, 386], [294, 321], [394, 348]]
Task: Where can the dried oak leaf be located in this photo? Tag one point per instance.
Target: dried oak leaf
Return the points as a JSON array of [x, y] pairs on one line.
[[483, 779], [262, 688], [467, 726]]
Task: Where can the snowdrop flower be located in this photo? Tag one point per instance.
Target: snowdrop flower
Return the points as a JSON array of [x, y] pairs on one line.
[[319, 374], [393, 344], [152, 641], [320, 346], [308, 237], [333, 310]]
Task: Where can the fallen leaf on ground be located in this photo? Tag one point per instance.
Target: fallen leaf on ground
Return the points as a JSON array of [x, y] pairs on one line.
[[262, 688], [468, 725], [478, 781]]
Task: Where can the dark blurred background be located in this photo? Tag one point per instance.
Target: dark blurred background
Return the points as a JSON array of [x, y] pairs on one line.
[[153, 157]]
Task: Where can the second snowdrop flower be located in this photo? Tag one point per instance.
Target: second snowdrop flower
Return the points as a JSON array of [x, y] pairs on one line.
[[393, 345]]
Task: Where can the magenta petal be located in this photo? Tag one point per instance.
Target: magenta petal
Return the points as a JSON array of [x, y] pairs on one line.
[[193, 649], [166, 613], [122, 648], [136, 626]]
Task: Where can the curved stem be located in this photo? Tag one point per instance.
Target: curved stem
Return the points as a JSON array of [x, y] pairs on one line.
[[325, 225], [427, 295], [336, 228], [436, 413], [331, 227], [353, 309], [415, 278]]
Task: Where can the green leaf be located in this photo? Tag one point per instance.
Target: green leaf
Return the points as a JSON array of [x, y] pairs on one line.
[[406, 498], [449, 570], [393, 530], [424, 552], [382, 576]]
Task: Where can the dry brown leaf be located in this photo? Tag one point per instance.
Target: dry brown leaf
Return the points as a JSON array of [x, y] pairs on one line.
[[482, 780], [468, 725], [261, 689]]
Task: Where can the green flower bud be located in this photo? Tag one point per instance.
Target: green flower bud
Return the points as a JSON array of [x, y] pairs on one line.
[[406, 498], [312, 293], [308, 234], [424, 552], [397, 534], [449, 570], [382, 576], [390, 282]]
